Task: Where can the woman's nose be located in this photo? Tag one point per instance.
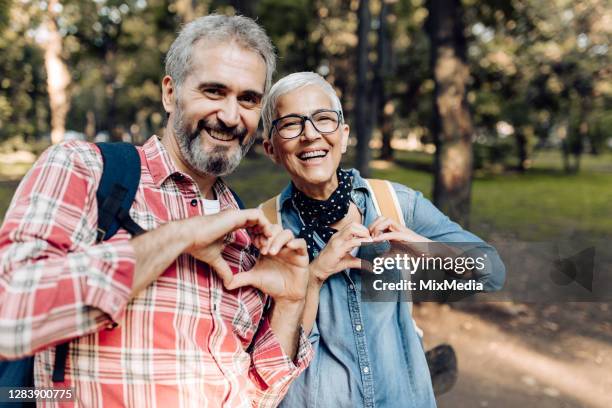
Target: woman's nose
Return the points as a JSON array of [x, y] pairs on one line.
[[310, 133]]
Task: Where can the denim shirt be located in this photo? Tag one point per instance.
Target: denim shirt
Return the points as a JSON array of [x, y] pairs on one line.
[[368, 354]]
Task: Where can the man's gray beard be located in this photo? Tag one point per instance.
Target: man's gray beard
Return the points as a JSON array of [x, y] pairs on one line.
[[218, 162]]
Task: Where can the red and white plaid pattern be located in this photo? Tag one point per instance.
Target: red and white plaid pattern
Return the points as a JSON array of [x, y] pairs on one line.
[[182, 342]]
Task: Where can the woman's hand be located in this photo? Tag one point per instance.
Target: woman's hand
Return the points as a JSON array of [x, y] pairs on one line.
[[386, 229], [336, 256]]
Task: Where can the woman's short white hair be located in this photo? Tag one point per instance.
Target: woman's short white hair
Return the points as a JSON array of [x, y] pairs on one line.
[[290, 83]]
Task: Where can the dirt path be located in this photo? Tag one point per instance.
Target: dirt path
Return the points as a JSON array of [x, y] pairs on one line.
[[511, 356]]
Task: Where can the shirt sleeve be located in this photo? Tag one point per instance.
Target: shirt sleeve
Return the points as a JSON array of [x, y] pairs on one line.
[[272, 371], [426, 219], [56, 284]]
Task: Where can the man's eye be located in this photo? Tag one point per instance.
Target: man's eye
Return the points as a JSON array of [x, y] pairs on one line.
[[213, 92], [249, 101]]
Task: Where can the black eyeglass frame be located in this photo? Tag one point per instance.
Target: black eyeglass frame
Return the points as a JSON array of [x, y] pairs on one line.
[[304, 119]]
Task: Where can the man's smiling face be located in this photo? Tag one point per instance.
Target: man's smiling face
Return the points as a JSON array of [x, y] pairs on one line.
[[217, 107]]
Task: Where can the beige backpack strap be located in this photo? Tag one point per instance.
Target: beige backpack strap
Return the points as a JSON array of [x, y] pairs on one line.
[[271, 209], [385, 200]]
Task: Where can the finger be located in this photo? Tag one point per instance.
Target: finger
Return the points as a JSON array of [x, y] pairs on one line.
[[298, 245], [296, 257], [383, 225], [352, 231], [377, 221], [255, 217], [350, 262], [390, 236], [279, 241], [263, 242], [349, 245], [374, 223]]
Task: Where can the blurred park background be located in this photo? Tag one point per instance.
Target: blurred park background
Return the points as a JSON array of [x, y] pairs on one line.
[[497, 110]]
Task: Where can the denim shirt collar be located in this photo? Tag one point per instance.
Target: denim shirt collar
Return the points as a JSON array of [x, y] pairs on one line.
[[359, 185]]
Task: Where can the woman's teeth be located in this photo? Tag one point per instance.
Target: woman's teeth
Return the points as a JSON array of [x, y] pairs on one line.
[[312, 155]]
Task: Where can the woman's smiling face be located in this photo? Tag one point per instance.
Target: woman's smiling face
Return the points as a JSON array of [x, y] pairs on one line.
[[311, 158]]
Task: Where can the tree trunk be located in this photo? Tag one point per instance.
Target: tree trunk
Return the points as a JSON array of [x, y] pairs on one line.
[[58, 76], [521, 146], [109, 73], [362, 111], [452, 123], [385, 107]]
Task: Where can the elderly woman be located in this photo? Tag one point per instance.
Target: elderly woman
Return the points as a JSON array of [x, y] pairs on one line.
[[368, 354]]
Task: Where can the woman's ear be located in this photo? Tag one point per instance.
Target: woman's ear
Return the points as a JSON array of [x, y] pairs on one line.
[[346, 130], [168, 94], [269, 149]]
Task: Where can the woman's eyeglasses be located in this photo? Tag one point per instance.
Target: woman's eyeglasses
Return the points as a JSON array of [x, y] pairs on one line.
[[291, 126]]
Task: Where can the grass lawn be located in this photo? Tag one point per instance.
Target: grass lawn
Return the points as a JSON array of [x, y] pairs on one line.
[[542, 204]]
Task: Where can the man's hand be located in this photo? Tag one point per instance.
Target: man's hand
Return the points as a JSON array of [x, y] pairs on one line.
[[336, 256], [209, 234], [281, 271], [202, 237]]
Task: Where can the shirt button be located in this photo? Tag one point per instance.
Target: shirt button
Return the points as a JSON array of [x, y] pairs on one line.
[[358, 327], [366, 370], [351, 287], [194, 203]]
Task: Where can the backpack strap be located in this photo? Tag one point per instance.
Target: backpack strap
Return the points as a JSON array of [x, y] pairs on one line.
[[117, 189], [271, 209], [238, 200], [115, 195], [385, 200]]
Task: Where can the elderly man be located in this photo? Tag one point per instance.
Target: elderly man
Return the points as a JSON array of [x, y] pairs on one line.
[[173, 317]]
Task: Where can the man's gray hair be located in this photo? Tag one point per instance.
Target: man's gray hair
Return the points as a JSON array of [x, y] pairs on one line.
[[289, 84], [218, 29]]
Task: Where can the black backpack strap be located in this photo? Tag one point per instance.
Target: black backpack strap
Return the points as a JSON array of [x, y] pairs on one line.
[[117, 189], [115, 195], [238, 200], [59, 368]]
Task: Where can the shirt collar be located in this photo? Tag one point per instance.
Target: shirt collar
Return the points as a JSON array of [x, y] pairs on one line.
[[158, 160], [358, 184]]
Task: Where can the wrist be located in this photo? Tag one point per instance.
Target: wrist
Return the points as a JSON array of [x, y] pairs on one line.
[[289, 306], [180, 231], [315, 275]]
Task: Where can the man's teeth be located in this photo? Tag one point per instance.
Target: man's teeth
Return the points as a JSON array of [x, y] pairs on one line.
[[310, 155], [220, 135]]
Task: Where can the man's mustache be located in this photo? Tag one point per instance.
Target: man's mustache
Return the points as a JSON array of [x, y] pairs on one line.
[[235, 132]]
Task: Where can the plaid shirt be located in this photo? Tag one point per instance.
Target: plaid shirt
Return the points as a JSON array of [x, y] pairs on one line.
[[182, 342]]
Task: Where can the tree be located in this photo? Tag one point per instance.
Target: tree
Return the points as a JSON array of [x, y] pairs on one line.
[[58, 76], [452, 123], [383, 103], [362, 112]]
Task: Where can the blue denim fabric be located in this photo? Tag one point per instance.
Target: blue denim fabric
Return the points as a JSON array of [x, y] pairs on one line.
[[368, 354]]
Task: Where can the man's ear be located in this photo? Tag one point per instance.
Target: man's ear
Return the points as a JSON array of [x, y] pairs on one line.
[[168, 94], [269, 149], [346, 130]]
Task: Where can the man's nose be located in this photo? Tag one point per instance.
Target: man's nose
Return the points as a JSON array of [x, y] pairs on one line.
[[310, 133], [229, 113]]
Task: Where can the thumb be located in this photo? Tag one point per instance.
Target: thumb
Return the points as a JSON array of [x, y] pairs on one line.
[[249, 278], [349, 261], [222, 270]]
